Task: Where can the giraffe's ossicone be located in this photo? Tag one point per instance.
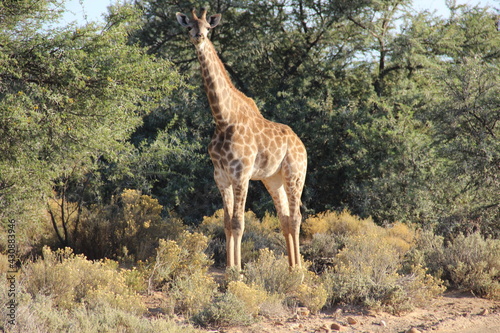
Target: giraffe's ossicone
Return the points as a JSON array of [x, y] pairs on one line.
[[246, 146]]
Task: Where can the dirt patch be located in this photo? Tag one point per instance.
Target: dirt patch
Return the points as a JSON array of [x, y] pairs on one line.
[[452, 312]]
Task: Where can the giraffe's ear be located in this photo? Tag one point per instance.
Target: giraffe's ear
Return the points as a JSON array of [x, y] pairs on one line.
[[182, 19], [214, 20]]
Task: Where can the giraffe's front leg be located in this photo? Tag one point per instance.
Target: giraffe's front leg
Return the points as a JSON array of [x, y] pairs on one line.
[[238, 222], [226, 190]]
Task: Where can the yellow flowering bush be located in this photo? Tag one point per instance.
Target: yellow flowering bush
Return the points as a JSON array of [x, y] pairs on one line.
[[252, 296], [192, 293], [312, 295], [71, 280]]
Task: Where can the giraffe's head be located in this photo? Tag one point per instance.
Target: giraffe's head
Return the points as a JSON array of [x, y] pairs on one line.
[[198, 26]]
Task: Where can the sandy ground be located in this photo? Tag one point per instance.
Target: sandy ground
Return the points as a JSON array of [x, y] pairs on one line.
[[452, 312]]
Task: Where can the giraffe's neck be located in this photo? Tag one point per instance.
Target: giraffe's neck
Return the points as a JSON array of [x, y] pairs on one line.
[[222, 95]]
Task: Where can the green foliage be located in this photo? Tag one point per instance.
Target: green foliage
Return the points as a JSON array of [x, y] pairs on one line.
[[390, 103], [70, 99], [373, 103]]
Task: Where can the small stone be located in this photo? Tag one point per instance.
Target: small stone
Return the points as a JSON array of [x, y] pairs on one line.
[[383, 323], [413, 330], [351, 321], [336, 327], [322, 329], [484, 312]]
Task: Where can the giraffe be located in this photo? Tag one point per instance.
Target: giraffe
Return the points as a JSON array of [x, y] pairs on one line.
[[246, 146]]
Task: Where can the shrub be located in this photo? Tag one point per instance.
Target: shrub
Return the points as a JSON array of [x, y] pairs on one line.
[[369, 273], [428, 252], [131, 224], [226, 310], [272, 273], [321, 250], [176, 259], [71, 280], [400, 236], [191, 293], [42, 315], [253, 297], [312, 295], [213, 228], [473, 263], [140, 225], [180, 269], [340, 228], [314, 225]]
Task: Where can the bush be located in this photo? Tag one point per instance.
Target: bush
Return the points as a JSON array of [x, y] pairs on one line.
[[321, 250], [182, 257], [43, 316], [64, 292], [469, 263], [327, 233], [226, 310], [370, 273], [473, 263], [312, 295], [71, 280], [191, 293], [180, 269], [253, 297], [428, 252], [272, 273], [139, 225], [128, 229]]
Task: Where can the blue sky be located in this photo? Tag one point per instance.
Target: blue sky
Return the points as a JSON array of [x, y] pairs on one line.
[[93, 10]]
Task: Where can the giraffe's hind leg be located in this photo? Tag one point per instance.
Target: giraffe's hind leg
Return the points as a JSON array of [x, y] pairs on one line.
[[294, 220], [294, 171], [276, 187]]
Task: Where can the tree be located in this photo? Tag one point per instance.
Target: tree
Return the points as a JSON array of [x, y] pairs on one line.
[[359, 81], [70, 98]]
